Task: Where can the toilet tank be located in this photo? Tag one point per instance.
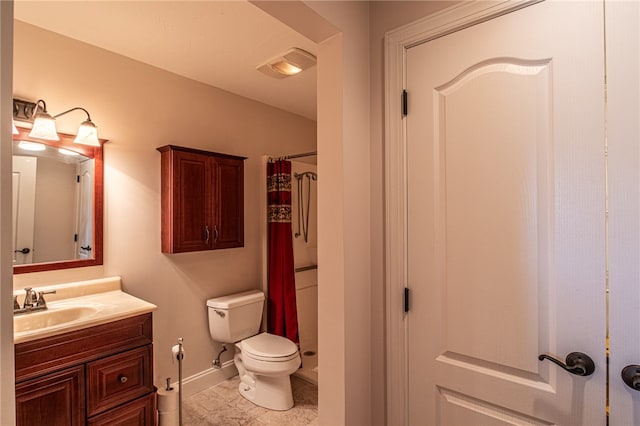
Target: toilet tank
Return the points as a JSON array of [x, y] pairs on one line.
[[236, 316]]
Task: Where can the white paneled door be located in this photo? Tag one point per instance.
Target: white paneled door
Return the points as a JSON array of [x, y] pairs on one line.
[[84, 220], [623, 139], [23, 212], [496, 200]]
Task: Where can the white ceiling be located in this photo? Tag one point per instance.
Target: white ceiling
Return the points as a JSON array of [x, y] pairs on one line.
[[219, 43]]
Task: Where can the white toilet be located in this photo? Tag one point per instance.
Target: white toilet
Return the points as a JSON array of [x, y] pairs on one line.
[[265, 361]]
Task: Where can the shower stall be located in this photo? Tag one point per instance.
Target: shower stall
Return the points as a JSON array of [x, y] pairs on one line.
[[304, 180]]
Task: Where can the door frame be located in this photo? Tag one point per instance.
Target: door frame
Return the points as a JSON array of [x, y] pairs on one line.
[[452, 19]]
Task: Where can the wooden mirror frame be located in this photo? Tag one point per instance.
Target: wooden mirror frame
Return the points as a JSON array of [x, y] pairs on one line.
[[66, 141]]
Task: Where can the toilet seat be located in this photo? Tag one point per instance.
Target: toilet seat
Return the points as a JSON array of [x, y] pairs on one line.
[[269, 347]]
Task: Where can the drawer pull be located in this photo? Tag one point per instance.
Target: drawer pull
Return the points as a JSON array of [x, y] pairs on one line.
[[123, 379]]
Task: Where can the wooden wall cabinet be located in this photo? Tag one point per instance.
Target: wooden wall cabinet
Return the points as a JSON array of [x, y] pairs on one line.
[[101, 375], [202, 200]]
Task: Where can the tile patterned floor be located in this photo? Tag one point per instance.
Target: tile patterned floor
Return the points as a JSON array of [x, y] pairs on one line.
[[223, 405]]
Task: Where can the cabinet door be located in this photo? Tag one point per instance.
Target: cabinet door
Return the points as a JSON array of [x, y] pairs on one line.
[[191, 204], [229, 203], [56, 399], [140, 412], [202, 200]]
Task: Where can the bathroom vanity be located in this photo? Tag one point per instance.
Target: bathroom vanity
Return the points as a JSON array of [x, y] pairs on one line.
[[85, 374]]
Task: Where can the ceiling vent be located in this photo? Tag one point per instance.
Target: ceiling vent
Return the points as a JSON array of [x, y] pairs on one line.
[[292, 62]]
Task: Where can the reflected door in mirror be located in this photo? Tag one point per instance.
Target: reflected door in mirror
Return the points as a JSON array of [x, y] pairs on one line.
[[85, 210], [24, 197], [55, 221]]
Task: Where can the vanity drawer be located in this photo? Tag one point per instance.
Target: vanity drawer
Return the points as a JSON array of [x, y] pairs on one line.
[[117, 379], [140, 412], [50, 354]]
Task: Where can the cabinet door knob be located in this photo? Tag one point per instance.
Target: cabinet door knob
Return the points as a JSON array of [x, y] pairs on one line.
[[206, 234], [123, 379]]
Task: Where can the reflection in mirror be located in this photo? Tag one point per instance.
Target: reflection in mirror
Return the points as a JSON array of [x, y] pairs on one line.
[[57, 203]]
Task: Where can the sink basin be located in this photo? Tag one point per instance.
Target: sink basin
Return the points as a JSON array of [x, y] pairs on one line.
[[77, 306], [51, 317]]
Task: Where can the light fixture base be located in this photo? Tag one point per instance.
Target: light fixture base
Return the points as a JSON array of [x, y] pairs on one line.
[[23, 110], [44, 125]]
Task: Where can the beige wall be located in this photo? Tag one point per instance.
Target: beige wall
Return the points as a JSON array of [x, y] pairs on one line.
[[7, 387], [331, 302], [344, 225], [139, 108]]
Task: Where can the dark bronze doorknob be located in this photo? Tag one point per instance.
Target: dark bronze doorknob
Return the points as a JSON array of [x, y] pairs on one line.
[[576, 363], [631, 376]]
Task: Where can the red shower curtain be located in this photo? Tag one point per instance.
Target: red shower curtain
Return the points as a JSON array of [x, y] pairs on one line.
[[282, 312]]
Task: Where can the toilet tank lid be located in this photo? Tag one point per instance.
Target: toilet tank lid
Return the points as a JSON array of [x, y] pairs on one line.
[[235, 300]]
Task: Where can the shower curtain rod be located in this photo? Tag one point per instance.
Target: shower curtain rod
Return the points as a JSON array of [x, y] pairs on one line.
[[288, 157]]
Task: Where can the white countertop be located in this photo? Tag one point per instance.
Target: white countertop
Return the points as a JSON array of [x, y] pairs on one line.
[[82, 305]]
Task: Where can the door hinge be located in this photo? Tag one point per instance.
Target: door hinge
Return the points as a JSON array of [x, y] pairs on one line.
[[77, 178], [404, 103], [406, 299], [75, 238]]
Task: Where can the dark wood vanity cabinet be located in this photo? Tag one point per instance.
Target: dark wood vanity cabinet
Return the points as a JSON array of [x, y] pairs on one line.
[[202, 200], [56, 399], [97, 376]]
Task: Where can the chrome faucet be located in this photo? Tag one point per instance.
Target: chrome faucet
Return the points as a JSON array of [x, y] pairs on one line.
[[33, 301], [30, 298]]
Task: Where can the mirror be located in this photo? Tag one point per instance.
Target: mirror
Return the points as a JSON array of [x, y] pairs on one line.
[[57, 203]]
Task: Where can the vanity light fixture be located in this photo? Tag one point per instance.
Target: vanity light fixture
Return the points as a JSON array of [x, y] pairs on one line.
[[291, 62], [44, 125]]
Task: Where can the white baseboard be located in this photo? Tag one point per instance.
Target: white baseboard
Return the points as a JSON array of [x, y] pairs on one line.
[[207, 378]]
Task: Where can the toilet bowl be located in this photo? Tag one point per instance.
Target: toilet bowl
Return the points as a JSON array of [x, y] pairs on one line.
[[265, 373], [264, 361]]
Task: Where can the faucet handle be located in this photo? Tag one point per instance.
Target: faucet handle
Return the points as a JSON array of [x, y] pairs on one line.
[[16, 305], [41, 301]]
